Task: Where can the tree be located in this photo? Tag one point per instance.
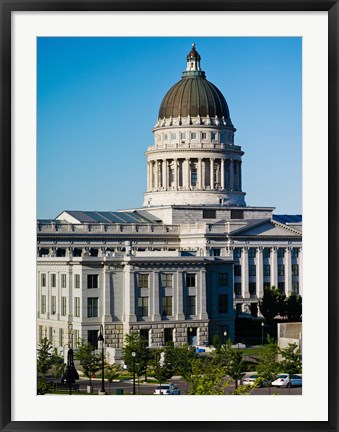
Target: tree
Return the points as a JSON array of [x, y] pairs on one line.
[[294, 307], [272, 304], [207, 378], [232, 358], [44, 361], [216, 343], [112, 371], [58, 364], [89, 359], [291, 360], [268, 366], [138, 344]]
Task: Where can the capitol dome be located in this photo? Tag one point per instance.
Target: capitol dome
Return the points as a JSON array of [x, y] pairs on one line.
[[194, 96]]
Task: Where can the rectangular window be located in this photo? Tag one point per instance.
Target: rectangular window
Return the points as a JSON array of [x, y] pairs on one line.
[[216, 251], [190, 280], [43, 279], [223, 279], [53, 305], [295, 253], [194, 176], [143, 306], [173, 136], [266, 285], [193, 135], [204, 135], [267, 270], [92, 281], [281, 252], [167, 302], [92, 307], [43, 304], [165, 137], [63, 281], [223, 303], [77, 281], [168, 335], [295, 269], [236, 253], [266, 253], [142, 280], [76, 338], [50, 334], [252, 288], [167, 280], [40, 333], [209, 214], [190, 305], [237, 214], [53, 280], [237, 270], [63, 306], [295, 287], [281, 270], [213, 135], [183, 135], [252, 253], [251, 270], [92, 338], [61, 337], [237, 288], [281, 287], [77, 306]]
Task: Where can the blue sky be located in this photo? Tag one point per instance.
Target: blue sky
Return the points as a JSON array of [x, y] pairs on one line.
[[98, 100]]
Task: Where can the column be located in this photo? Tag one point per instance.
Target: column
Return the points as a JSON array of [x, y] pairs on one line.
[[244, 273], [212, 173], [222, 174], [274, 267], [175, 162], [129, 300], [164, 173], [156, 175], [188, 177], [155, 298], [201, 304], [203, 175], [148, 177], [240, 185], [231, 175], [260, 273], [107, 317], [179, 297], [288, 271], [151, 185], [199, 173]]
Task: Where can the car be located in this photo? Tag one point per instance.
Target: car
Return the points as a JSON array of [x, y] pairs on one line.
[[167, 389], [282, 380], [250, 379]]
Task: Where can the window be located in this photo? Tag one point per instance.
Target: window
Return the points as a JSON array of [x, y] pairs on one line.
[[252, 288], [204, 135], [281, 287], [236, 253], [53, 305], [61, 337], [76, 338], [63, 281], [223, 279], [223, 303], [295, 287], [281, 270], [166, 280], [92, 338], [213, 135], [252, 270], [216, 251], [209, 214], [143, 306], [252, 252], [237, 270], [194, 176], [43, 304], [190, 280], [183, 135], [295, 253], [168, 335], [237, 288], [167, 305], [295, 269], [50, 334], [142, 280], [40, 333], [63, 306], [53, 280], [237, 214], [266, 253], [266, 285], [193, 135], [92, 281], [190, 305], [165, 137], [144, 333], [267, 270], [77, 306], [43, 279], [281, 252], [77, 281], [92, 307], [173, 136]]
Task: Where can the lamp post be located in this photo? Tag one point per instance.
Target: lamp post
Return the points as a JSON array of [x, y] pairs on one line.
[[133, 355], [262, 333], [101, 344], [225, 336]]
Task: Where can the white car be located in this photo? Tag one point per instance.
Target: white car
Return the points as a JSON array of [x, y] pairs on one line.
[[283, 379], [167, 389], [250, 379]]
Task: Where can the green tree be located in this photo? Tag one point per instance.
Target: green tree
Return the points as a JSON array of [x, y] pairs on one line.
[[216, 343], [138, 344], [294, 307], [112, 371], [272, 304], [207, 378], [44, 361], [291, 360], [268, 366], [58, 365], [233, 361], [89, 359]]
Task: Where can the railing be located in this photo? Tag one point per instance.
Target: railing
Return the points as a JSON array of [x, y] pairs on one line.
[[108, 228]]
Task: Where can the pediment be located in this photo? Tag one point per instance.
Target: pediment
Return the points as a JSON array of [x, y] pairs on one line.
[[267, 229]]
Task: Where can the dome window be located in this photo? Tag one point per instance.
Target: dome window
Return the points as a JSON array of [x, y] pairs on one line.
[[165, 137], [213, 136], [193, 135], [204, 135], [173, 136], [183, 135]]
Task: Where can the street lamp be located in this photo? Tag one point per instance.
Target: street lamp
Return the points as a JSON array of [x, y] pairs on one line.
[[262, 333], [133, 355], [101, 345], [225, 336]]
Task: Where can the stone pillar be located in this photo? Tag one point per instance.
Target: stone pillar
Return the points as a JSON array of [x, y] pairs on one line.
[[156, 175], [244, 273], [222, 174], [259, 273], [203, 175], [274, 267], [201, 304], [199, 173], [175, 161], [240, 181], [164, 173], [129, 295], [212, 173], [179, 297], [150, 175], [288, 271], [107, 317], [231, 174], [155, 314], [188, 177]]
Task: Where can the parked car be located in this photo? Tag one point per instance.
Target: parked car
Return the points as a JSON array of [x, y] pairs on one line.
[[282, 380], [167, 389], [250, 379]]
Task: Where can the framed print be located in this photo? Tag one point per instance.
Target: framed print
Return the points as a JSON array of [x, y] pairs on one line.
[[239, 203]]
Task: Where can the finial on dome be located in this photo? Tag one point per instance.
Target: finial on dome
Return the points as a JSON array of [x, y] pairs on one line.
[[193, 60]]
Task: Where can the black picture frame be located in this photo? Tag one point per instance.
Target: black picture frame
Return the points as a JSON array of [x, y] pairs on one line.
[[7, 7]]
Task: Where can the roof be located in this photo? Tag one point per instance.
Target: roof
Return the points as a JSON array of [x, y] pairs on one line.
[[286, 219], [109, 216]]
